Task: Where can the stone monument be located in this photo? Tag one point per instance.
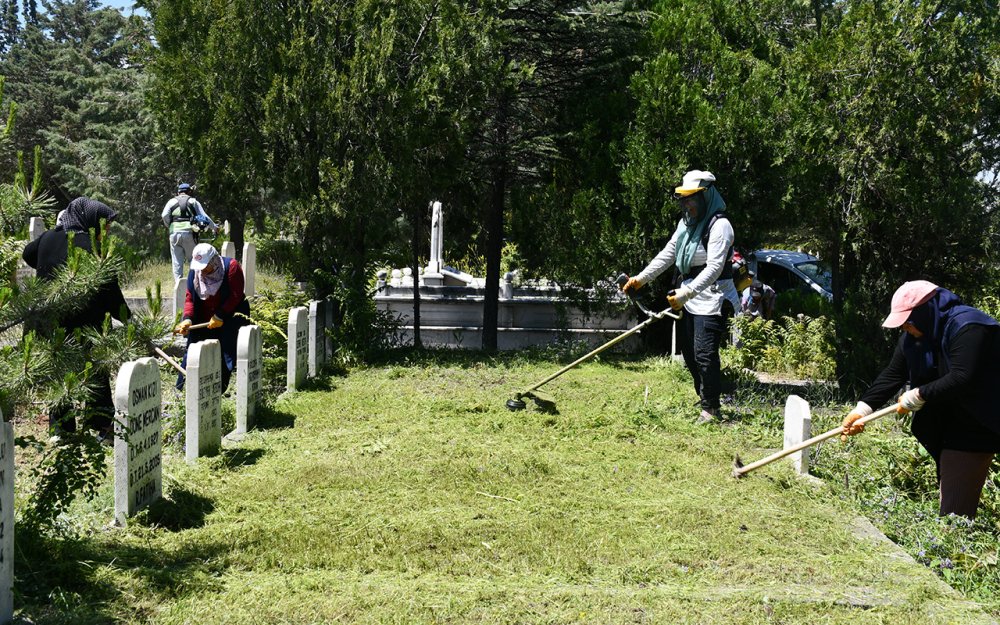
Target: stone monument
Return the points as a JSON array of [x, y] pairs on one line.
[[249, 264], [298, 347], [249, 365], [180, 294], [798, 428], [203, 403], [36, 226], [432, 275], [228, 249], [138, 438]]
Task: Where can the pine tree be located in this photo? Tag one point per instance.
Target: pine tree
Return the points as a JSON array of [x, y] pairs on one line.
[[41, 371]]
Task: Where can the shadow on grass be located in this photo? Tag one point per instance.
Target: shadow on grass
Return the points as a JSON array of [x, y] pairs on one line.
[[236, 457], [183, 510], [270, 418], [61, 579]]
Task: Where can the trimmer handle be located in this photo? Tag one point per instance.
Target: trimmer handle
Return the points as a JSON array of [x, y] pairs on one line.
[[622, 279]]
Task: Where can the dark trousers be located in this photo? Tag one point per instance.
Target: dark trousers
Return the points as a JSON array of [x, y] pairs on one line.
[[700, 337], [961, 475], [227, 336], [99, 411]]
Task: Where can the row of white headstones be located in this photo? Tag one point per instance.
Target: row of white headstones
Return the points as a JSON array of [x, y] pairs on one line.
[[138, 430]]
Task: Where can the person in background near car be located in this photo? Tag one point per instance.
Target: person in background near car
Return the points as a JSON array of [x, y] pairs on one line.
[[701, 247], [179, 215], [214, 296], [758, 301], [47, 254], [950, 355]]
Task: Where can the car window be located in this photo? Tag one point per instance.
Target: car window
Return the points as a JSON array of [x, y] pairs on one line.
[[817, 273], [777, 277]]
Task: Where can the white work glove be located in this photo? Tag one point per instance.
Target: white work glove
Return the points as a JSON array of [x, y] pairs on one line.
[[678, 297], [910, 401]]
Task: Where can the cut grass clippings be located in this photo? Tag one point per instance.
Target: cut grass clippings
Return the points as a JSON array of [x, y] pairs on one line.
[[408, 493]]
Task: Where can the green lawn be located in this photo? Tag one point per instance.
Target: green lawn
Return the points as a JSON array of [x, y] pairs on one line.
[[408, 493], [135, 281]]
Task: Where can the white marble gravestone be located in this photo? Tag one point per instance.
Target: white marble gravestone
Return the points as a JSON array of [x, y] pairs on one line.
[[298, 346], [249, 264], [317, 337], [36, 226], [6, 522], [249, 367], [432, 275], [798, 428], [228, 249], [203, 422], [180, 292], [138, 438]]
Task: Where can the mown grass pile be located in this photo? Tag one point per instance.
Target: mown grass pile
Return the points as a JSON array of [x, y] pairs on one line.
[[406, 492]]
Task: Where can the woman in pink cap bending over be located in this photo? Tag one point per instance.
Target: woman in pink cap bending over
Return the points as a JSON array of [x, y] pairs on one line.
[[949, 353]]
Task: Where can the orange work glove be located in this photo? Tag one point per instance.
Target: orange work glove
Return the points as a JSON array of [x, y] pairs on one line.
[[182, 327], [631, 286], [850, 429], [214, 322]]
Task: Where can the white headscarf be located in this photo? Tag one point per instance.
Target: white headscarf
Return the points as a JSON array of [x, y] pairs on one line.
[[207, 285]]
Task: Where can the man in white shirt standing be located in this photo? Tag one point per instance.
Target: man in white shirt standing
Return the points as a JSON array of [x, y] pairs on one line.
[[179, 216], [700, 247]]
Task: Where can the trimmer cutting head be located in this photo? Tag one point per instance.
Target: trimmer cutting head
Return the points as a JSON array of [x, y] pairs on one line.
[[542, 401], [516, 403]]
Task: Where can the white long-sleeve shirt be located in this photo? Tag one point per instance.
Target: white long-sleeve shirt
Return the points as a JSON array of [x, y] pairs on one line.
[[709, 291]]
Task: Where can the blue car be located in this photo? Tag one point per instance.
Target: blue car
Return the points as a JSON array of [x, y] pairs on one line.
[[784, 270]]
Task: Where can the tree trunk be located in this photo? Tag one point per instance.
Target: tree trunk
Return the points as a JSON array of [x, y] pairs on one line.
[[494, 247], [494, 226], [416, 274], [237, 225]]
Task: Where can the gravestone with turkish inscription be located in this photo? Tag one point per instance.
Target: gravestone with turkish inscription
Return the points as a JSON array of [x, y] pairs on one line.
[[298, 346], [317, 337], [249, 365], [203, 422], [6, 522], [138, 438]]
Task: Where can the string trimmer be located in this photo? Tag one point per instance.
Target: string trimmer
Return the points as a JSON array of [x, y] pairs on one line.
[[545, 402]]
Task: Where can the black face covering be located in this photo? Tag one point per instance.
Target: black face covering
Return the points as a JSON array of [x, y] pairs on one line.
[[698, 202]]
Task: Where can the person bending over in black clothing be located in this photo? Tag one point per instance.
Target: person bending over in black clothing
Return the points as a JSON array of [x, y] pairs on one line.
[[949, 353], [47, 254]]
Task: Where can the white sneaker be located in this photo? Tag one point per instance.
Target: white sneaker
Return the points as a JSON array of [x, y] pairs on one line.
[[707, 416]]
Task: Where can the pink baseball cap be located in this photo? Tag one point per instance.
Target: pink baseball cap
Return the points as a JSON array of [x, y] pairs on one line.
[[905, 299]]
